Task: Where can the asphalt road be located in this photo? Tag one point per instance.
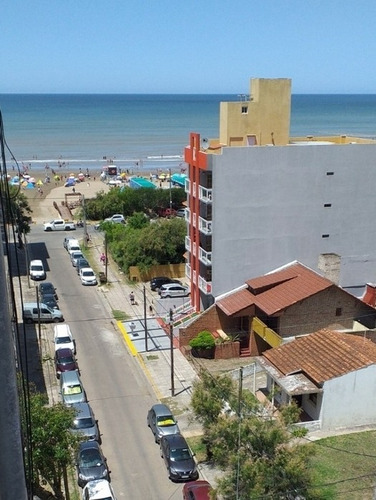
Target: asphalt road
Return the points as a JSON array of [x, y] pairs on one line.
[[116, 387]]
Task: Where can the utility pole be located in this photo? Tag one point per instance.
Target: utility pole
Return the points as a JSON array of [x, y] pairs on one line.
[[239, 428], [39, 326], [105, 253], [86, 238], [170, 191], [145, 322], [172, 351]]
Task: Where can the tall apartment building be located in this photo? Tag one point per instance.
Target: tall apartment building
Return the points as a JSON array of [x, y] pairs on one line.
[[258, 199]]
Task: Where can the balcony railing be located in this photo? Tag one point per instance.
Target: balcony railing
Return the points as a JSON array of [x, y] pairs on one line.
[[188, 271], [204, 286], [270, 336], [187, 186], [205, 194], [205, 226], [204, 256]]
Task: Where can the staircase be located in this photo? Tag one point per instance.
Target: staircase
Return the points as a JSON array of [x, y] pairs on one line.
[[245, 352]]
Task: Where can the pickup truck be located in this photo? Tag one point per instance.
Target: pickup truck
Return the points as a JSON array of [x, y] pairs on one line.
[[59, 225]]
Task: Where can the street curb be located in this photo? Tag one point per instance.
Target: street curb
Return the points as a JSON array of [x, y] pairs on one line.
[[127, 339]]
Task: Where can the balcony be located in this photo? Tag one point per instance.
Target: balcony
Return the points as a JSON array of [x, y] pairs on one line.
[[187, 186], [204, 286], [188, 243], [270, 336], [205, 257], [205, 194], [205, 226]]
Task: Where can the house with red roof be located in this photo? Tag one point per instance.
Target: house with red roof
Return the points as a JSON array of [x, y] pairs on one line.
[[277, 307], [330, 375]]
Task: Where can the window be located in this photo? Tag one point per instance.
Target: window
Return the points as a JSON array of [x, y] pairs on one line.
[[339, 311], [325, 236], [244, 110], [329, 173], [313, 398], [327, 205]]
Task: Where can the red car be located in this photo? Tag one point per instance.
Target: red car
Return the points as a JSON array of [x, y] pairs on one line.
[[65, 361], [197, 490]]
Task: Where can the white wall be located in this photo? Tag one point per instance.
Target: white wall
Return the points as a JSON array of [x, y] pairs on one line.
[[268, 210], [349, 400]]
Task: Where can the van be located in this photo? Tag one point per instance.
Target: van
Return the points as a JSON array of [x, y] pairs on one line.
[[73, 245], [71, 388], [36, 270], [46, 313]]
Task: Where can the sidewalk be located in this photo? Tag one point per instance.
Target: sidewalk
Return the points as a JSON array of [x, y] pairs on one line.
[[153, 352]]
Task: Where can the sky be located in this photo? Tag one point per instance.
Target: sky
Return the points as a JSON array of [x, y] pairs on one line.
[[186, 46]]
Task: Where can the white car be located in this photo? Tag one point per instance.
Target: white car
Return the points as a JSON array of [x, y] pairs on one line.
[[117, 218], [100, 489], [75, 255], [173, 290], [63, 338], [87, 276]]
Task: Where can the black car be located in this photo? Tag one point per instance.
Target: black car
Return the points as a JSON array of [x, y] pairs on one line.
[[49, 300], [91, 463], [81, 263], [47, 288], [178, 458], [156, 283]]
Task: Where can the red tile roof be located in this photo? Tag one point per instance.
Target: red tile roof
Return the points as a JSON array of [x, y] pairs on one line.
[[323, 355], [276, 291]]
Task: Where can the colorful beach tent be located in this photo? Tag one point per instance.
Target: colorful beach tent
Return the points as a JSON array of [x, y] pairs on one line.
[[179, 179], [141, 182]]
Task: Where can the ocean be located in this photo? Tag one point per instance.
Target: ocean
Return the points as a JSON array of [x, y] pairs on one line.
[[149, 131]]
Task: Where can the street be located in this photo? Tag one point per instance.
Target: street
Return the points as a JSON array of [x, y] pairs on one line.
[[116, 387]]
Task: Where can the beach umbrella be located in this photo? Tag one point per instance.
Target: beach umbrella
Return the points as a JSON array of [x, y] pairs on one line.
[[56, 177], [32, 180], [26, 176], [81, 175], [24, 183], [30, 185], [39, 183]]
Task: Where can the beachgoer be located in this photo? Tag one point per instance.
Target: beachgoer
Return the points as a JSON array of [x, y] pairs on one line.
[[73, 190], [131, 298]]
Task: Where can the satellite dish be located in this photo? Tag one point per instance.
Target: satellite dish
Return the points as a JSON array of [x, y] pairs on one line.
[[205, 143]]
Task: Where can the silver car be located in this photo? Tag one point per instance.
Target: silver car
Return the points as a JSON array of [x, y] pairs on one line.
[[162, 422], [84, 422]]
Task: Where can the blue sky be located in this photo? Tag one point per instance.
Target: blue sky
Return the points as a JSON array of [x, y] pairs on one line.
[[190, 46]]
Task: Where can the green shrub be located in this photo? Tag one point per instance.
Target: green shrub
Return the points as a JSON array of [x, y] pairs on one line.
[[203, 340]]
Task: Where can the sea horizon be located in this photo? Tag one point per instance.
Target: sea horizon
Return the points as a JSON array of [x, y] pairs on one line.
[[150, 131]]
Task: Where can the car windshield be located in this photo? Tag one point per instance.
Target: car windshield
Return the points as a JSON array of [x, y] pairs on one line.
[[72, 389], [66, 360], [180, 454], [88, 273], [90, 458], [37, 268], [165, 421], [83, 423], [63, 340]]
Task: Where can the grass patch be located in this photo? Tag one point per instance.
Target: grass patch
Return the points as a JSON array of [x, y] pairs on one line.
[[198, 448], [119, 315], [151, 357], [343, 460]]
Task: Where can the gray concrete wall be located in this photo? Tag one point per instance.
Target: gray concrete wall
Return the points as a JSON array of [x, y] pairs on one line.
[[268, 210]]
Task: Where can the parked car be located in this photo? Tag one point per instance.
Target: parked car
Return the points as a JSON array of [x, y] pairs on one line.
[[81, 263], [63, 338], [65, 241], [116, 218], [91, 463], [161, 421], [100, 489], [84, 422], [157, 282], [180, 212], [65, 361], [178, 458], [34, 312], [173, 290], [71, 388], [49, 300], [197, 490], [77, 254], [48, 287], [36, 270], [87, 276]]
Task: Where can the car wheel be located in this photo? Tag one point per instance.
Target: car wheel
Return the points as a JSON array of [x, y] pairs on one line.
[[56, 320], [168, 296], [156, 438], [48, 229]]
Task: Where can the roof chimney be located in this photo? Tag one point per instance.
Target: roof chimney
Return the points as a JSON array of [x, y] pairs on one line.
[[369, 296]]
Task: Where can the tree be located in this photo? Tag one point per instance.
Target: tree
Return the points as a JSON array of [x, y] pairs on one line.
[[17, 210], [256, 449], [52, 443]]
